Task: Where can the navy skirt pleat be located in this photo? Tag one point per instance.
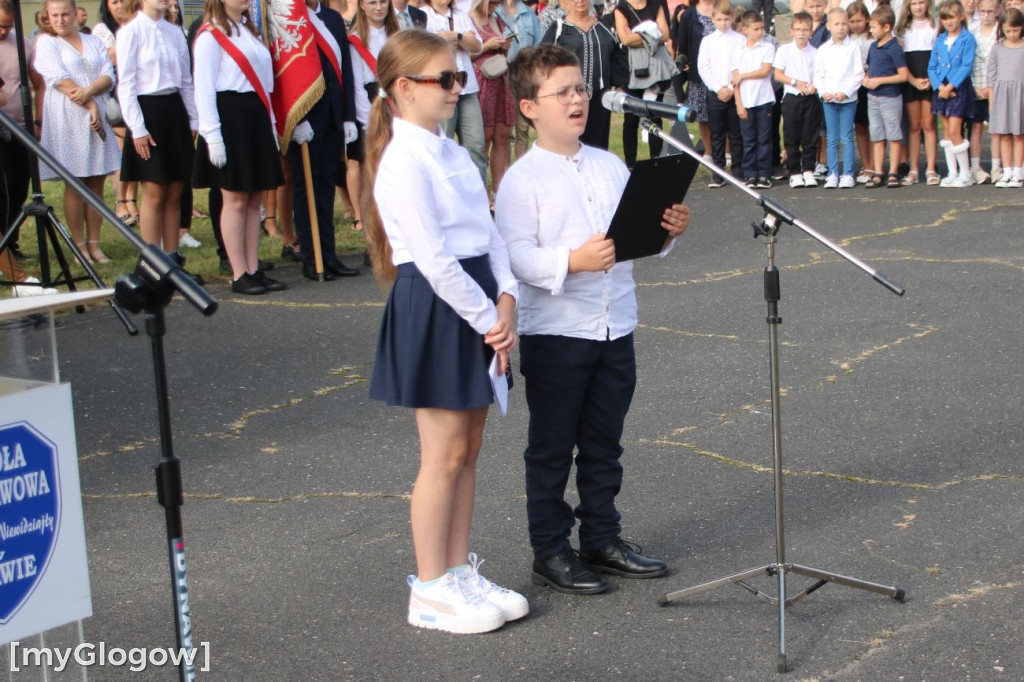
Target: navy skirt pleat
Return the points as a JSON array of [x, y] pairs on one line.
[[427, 355]]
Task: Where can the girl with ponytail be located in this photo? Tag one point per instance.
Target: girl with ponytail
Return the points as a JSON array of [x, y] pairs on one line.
[[448, 318]]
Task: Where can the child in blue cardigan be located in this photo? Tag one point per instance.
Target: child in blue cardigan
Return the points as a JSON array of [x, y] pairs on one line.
[[949, 70]]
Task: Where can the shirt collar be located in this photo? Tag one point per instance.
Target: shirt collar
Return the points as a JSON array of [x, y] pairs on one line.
[[433, 142], [576, 159], [147, 20]]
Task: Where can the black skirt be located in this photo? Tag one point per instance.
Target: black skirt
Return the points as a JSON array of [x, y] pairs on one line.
[[917, 65], [171, 159], [254, 163], [427, 355]]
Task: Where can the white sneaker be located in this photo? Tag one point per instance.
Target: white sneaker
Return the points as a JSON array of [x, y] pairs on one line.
[[189, 242], [956, 181], [820, 170], [831, 182], [450, 606], [863, 177], [1015, 181], [979, 176], [1003, 181], [512, 604], [25, 289], [796, 180], [847, 182], [997, 174], [809, 179]]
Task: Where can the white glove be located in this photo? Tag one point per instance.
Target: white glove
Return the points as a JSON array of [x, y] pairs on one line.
[[218, 153], [351, 132], [303, 133]]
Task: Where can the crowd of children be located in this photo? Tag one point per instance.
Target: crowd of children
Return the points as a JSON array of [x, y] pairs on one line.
[[869, 82]]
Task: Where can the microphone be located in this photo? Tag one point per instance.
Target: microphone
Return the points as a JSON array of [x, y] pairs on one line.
[[621, 103]]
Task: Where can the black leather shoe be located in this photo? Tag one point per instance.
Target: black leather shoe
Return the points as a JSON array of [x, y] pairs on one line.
[[339, 269], [269, 283], [248, 284], [566, 573], [264, 265], [309, 272], [288, 252], [624, 559]]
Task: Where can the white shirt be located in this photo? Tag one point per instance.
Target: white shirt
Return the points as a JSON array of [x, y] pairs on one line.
[[152, 59], [919, 36], [216, 71], [755, 91], [363, 74], [547, 205], [795, 63], [863, 41], [715, 58], [838, 67], [434, 208], [461, 24]]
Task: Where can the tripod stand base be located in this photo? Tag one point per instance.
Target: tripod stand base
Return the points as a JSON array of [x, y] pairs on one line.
[[779, 571]]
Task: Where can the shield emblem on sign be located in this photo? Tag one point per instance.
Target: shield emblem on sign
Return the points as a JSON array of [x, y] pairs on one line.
[[29, 513]]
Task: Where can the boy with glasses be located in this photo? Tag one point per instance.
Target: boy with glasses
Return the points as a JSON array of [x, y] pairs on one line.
[[577, 312]]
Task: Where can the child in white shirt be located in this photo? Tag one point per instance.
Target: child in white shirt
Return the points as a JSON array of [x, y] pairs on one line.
[[838, 72], [755, 98]]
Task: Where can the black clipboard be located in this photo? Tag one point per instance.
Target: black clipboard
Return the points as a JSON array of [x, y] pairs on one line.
[[653, 186]]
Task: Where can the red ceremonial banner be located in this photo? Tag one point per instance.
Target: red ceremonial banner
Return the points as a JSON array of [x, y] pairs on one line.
[[298, 77]]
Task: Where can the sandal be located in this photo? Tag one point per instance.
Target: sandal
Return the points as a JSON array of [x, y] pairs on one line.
[[875, 181], [932, 178], [96, 254], [911, 178], [199, 215], [270, 232], [892, 181], [127, 218], [84, 249]]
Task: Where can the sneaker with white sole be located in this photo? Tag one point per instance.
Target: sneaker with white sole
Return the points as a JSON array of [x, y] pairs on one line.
[[796, 180], [863, 177], [997, 174], [189, 242], [809, 179], [26, 289], [831, 182], [1015, 181], [820, 170], [512, 604], [979, 176], [1004, 181], [847, 182], [963, 180], [451, 606]]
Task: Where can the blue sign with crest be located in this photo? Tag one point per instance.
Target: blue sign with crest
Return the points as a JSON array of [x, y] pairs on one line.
[[30, 513]]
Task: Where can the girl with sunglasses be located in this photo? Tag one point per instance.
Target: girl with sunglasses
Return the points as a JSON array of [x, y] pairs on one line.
[[448, 314]]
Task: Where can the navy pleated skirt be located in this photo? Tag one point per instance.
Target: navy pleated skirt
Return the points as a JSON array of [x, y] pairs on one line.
[[427, 355], [254, 164]]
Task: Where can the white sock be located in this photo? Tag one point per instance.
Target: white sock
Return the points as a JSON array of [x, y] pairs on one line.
[[996, 162], [961, 156], [976, 163]]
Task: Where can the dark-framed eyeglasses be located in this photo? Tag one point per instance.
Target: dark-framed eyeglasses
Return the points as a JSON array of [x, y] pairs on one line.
[[446, 79], [565, 94]]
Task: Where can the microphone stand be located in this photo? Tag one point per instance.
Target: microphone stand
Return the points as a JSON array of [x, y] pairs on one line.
[[149, 290], [767, 230]]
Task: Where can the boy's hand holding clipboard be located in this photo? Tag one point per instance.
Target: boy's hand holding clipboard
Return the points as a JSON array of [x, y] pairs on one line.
[[651, 205]]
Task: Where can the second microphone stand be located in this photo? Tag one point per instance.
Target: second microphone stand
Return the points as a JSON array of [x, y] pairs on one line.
[[767, 230]]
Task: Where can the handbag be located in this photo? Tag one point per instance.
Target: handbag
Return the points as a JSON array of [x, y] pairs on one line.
[[112, 110], [494, 67]]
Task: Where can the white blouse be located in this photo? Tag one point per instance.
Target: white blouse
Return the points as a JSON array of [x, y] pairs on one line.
[[363, 74], [216, 71], [152, 59], [435, 211], [919, 36]]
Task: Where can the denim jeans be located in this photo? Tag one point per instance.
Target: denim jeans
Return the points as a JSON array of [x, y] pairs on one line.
[[839, 128], [468, 123], [757, 142]]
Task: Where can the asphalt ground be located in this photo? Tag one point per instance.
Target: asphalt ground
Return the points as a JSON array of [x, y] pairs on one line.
[[901, 439]]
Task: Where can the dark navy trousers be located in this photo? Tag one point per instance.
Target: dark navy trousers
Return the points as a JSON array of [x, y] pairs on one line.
[[578, 392]]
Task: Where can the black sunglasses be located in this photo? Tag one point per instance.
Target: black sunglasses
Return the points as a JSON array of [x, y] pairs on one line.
[[446, 79]]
